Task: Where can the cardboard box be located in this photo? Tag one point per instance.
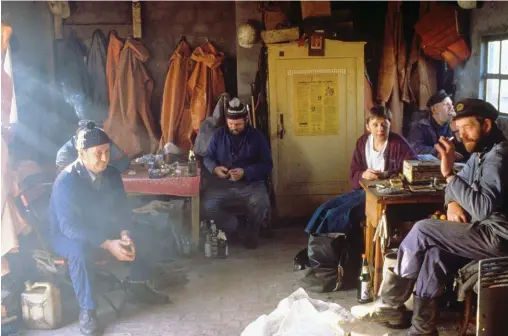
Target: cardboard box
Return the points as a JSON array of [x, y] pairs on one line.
[[416, 171], [280, 35], [316, 9]]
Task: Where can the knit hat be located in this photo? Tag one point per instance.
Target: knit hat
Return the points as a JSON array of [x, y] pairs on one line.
[[236, 110], [91, 136]]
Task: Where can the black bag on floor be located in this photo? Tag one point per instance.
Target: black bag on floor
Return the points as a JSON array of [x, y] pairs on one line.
[[328, 253]]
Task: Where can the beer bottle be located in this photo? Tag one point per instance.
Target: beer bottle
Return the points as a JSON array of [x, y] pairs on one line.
[[364, 287]]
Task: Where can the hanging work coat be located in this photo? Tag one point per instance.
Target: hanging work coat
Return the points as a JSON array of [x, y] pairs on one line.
[[205, 84], [393, 64], [114, 49], [73, 78], [96, 67], [175, 115], [12, 224], [420, 81], [130, 124]]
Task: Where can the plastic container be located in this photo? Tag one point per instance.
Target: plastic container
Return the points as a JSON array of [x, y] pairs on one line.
[[41, 306]]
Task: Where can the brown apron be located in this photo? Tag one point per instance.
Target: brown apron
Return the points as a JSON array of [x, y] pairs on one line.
[[130, 124], [206, 83], [175, 115]]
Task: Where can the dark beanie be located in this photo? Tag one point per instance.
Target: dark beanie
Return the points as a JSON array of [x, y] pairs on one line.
[[91, 136]]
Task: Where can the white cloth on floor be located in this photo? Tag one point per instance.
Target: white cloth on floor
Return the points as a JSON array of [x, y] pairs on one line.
[[299, 315]]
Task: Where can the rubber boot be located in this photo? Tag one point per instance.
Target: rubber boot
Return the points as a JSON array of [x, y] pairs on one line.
[[389, 308], [424, 317]]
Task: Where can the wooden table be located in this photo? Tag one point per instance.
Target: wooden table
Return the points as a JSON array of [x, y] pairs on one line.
[[375, 204], [141, 184]]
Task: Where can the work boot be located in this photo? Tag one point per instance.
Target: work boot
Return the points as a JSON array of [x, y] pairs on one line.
[[424, 317], [88, 322], [394, 291], [423, 321], [140, 292]]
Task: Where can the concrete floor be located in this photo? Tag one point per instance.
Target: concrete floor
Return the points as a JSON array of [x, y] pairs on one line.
[[223, 296]]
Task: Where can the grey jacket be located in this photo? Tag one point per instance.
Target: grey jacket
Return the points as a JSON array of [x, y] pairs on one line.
[[423, 136], [481, 188]]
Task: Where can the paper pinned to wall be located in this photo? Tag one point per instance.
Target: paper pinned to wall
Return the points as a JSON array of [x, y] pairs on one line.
[[316, 105]]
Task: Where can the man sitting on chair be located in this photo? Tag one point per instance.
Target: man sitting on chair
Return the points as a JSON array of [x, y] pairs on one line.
[[476, 227], [89, 211], [239, 158]]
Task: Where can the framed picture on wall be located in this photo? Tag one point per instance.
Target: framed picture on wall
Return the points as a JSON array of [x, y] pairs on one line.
[[317, 44]]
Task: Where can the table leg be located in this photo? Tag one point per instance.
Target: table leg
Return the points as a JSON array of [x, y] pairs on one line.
[[378, 267], [369, 248], [195, 222]]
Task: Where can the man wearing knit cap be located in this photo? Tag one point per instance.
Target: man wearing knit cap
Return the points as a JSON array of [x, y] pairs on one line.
[[68, 153], [240, 159], [425, 133], [476, 227], [89, 211]]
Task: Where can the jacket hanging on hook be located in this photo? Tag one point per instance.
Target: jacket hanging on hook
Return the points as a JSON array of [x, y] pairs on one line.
[[206, 83]]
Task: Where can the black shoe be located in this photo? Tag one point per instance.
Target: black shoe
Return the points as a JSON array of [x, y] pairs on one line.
[[251, 243], [142, 293], [88, 322]]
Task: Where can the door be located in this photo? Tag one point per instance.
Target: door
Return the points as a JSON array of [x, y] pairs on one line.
[[316, 109]]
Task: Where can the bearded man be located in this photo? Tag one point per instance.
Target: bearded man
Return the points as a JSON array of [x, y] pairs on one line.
[[240, 159]]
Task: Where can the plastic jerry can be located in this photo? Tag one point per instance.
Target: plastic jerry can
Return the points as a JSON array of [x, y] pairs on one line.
[[41, 306]]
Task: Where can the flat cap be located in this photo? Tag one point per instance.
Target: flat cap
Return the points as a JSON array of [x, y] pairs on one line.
[[436, 98], [475, 107]]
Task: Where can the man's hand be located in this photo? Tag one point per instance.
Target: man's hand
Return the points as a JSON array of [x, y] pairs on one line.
[[119, 249], [236, 174], [455, 213], [221, 172], [370, 174], [446, 150], [125, 236], [458, 156]]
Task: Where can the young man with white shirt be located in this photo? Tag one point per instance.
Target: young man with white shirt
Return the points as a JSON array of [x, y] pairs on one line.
[[379, 153]]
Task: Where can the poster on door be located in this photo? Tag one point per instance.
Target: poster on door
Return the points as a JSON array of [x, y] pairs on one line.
[[315, 105]]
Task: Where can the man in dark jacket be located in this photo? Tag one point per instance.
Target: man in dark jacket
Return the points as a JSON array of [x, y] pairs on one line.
[[89, 212], [240, 159], [476, 227], [425, 133]]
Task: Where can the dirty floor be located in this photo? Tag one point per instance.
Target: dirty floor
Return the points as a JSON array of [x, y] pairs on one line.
[[223, 296]]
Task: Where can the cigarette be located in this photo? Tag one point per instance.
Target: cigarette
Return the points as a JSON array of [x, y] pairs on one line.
[[451, 138]]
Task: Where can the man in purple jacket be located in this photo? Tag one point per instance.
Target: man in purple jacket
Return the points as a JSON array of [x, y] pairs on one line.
[[379, 153], [239, 158]]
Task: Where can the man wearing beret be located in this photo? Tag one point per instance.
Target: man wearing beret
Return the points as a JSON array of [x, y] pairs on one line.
[[239, 158], [89, 211], [476, 227], [425, 133]]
